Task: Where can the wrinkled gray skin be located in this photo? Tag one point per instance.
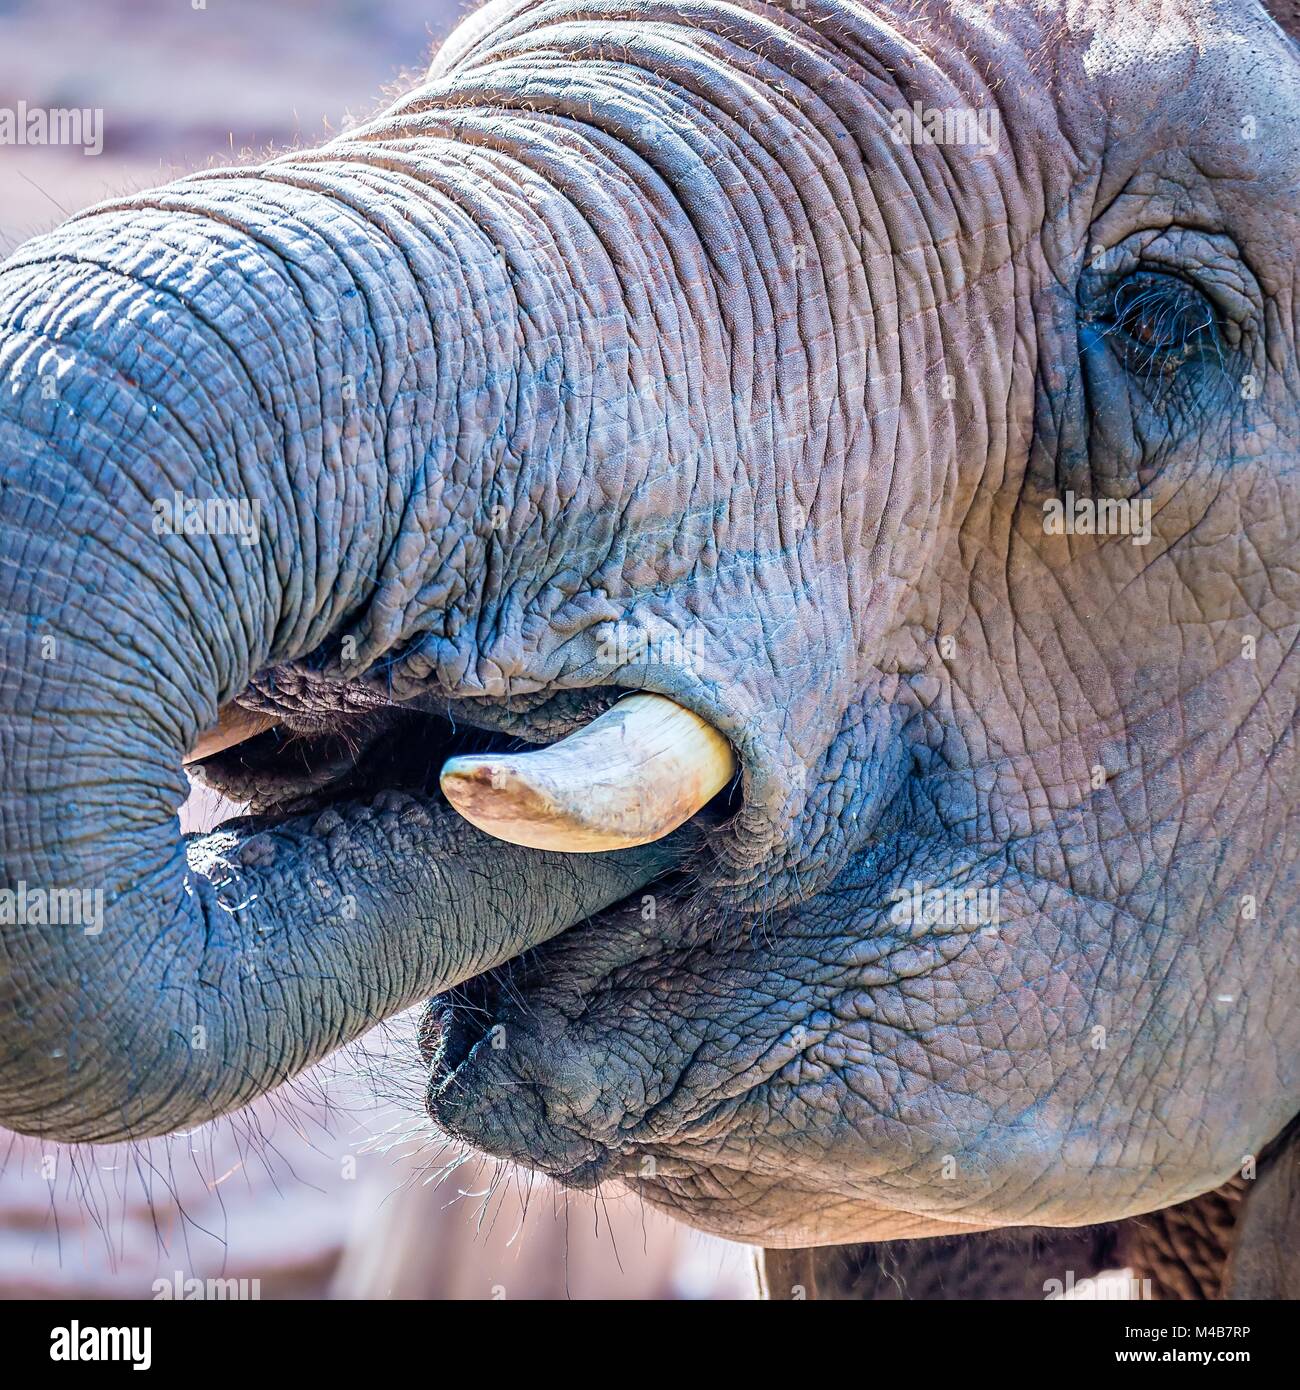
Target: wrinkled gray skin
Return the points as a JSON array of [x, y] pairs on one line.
[[638, 313]]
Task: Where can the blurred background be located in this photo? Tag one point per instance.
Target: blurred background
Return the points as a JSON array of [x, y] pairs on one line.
[[334, 1187]]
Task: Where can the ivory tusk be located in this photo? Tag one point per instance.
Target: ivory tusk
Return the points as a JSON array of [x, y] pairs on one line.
[[627, 778], [234, 725]]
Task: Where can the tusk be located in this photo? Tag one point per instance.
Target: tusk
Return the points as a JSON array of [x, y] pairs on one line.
[[235, 724], [629, 777]]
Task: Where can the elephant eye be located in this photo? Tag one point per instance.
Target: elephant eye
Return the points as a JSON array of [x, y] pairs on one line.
[[1158, 322]]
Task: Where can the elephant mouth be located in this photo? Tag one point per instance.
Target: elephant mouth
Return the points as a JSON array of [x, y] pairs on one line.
[[636, 769], [632, 775]]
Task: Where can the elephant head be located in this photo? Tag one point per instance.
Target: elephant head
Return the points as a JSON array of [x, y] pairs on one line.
[[906, 393]]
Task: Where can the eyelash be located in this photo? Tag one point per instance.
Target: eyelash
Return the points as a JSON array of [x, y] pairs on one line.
[[1160, 322]]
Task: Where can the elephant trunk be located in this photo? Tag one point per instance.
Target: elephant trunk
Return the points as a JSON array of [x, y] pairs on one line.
[[249, 417]]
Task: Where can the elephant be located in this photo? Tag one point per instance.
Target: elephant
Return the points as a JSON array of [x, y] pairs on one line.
[[748, 553]]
